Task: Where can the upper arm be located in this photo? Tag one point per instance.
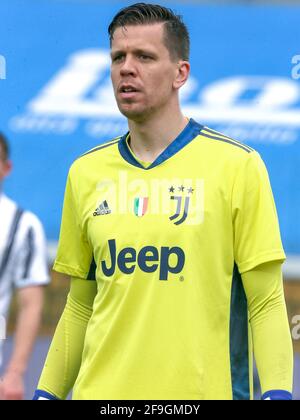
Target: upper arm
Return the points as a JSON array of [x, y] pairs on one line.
[[74, 254], [255, 224]]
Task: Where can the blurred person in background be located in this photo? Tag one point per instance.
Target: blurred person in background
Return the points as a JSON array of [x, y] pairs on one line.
[[23, 266], [162, 304]]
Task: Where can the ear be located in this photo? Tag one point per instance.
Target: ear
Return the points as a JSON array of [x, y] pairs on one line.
[[7, 168], [182, 74]]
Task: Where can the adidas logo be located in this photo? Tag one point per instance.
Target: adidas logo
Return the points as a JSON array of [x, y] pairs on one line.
[[102, 209]]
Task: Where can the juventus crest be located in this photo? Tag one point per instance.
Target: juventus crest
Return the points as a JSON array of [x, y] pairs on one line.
[[182, 204]]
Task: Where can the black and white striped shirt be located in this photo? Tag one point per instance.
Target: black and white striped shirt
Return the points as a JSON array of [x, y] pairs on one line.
[[23, 260]]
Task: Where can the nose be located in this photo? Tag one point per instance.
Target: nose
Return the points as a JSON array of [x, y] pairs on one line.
[[128, 67]]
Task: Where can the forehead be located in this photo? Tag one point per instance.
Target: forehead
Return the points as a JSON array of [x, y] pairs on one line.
[[139, 36]]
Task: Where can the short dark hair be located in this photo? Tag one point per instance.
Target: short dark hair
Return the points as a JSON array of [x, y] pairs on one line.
[[4, 147], [176, 38]]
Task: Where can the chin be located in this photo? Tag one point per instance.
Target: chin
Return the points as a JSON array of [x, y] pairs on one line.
[[133, 114]]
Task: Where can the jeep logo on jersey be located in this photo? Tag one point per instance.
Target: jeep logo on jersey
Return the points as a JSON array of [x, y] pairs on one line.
[[149, 259]]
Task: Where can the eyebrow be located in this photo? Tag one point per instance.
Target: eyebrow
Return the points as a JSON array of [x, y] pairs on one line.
[[117, 52], [136, 51]]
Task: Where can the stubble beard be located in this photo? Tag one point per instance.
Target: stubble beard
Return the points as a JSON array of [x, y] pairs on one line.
[[143, 112], [139, 114]]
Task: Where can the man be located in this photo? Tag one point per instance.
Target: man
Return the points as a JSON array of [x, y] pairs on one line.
[[170, 237], [23, 265]]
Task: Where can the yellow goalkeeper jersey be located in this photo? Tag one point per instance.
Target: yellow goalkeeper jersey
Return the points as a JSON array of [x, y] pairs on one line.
[[167, 243]]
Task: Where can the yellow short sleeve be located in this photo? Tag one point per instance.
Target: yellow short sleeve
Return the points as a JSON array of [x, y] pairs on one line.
[[255, 222], [74, 255]]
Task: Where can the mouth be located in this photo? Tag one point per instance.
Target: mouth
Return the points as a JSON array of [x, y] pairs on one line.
[[127, 91]]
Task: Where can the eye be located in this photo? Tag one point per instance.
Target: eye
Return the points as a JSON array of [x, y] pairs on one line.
[[117, 58], [145, 57]]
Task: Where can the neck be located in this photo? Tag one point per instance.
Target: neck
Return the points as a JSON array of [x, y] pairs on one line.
[[148, 139]]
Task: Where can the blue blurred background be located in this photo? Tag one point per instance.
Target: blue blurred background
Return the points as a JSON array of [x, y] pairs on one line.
[[56, 99]]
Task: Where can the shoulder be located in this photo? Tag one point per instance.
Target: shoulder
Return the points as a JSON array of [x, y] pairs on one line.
[[7, 203], [94, 161], [226, 151], [11, 213], [31, 221], [99, 152], [101, 148], [231, 156], [11, 205], [224, 143], [96, 157]]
